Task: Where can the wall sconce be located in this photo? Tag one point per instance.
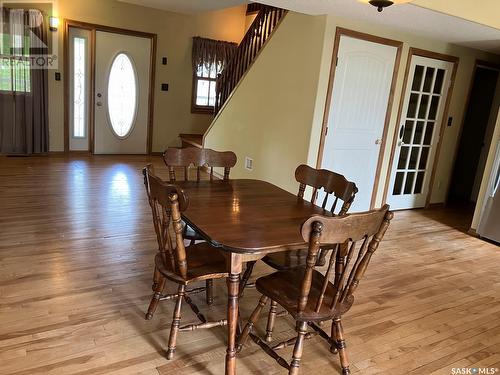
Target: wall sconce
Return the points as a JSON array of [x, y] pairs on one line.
[[53, 23]]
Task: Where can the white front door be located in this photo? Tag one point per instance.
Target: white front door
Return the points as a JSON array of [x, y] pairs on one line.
[[418, 135], [122, 79], [357, 113]]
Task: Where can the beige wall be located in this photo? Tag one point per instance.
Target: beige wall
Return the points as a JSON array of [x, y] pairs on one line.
[[486, 12], [278, 123], [269, 116], [172, 108]]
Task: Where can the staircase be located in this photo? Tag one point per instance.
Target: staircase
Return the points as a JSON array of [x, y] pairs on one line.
[[254, 40], [259, 32]]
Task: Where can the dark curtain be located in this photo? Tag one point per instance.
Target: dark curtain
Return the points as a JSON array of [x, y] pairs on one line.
[[212, 54], [23, 100]]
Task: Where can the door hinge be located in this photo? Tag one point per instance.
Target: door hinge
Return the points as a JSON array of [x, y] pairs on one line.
[[326, 131], [337, 61]]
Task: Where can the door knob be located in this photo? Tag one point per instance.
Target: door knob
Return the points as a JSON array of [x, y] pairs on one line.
[[401, 143], [99, 104], [378, 141]]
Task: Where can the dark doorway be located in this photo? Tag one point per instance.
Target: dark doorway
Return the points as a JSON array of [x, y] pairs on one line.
[[473, 135]]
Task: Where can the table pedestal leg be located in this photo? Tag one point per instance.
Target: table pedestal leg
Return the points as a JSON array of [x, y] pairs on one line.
[[233, 284]]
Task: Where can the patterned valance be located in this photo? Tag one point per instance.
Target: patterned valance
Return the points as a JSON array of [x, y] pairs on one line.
[[213, 54]]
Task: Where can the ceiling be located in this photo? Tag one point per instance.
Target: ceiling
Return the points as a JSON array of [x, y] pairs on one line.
[[406, 17], [187, 6]]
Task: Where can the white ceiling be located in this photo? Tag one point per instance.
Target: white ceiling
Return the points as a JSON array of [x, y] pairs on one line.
[[406, 17], [187, 6]]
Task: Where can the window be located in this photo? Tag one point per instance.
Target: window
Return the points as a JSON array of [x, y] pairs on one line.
[[79, 89], [204, 89], [15, 73], [210, 57], [122, 95]]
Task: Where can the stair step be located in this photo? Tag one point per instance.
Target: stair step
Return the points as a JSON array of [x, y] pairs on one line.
[[191, 140]]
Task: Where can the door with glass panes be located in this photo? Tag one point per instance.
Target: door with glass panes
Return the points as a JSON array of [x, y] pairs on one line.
[[122, 86], [419, 131]]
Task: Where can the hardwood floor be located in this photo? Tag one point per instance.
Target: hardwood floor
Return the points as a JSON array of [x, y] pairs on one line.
[[76, 262]]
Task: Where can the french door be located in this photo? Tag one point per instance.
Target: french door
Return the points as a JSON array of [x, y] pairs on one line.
[[419, 131]]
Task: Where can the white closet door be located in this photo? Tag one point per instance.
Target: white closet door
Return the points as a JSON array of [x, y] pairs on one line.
[[357, 113]]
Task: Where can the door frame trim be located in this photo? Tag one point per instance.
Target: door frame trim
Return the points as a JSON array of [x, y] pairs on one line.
[[340, 31], [93, 28], [437, 56]]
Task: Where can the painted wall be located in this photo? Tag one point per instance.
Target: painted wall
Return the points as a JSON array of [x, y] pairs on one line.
[[485, 11], [269, 115], [278, 123], [173, 108]]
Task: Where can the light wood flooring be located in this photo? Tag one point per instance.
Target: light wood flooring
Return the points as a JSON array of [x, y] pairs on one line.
[[76, 261]]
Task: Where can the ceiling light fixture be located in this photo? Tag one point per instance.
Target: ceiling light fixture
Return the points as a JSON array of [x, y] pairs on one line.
[[381, 4]]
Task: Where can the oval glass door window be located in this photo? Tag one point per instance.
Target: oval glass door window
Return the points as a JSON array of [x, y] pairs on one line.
[[122, 95]]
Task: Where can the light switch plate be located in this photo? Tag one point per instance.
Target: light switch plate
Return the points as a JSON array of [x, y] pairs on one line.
[[248, 163]]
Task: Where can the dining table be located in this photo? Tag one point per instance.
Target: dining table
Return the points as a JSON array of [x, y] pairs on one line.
[[246, 219]]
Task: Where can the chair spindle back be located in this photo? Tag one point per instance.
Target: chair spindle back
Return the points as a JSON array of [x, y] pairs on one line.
[[331, 183], [357, 237], [167, 201], [198, 158]]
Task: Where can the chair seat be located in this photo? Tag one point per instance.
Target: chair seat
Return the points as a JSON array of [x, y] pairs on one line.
[[284, 288], [204, 262]]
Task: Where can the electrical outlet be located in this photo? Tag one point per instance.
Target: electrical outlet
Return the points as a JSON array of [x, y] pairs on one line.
[[248, 163]]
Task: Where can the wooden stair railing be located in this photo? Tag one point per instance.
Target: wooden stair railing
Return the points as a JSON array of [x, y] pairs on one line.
[[258, 33]]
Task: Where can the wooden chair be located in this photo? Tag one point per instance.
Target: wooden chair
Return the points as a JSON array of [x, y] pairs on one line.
[[308, 295], [199, 158], [176, 262], [336, 187], [185, 158]]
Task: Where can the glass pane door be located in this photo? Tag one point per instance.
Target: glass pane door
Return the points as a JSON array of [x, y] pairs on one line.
[[418, 135]]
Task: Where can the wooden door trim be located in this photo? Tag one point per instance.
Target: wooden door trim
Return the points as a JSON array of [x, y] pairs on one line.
[[437, 56], [93, 28], [340, 31]]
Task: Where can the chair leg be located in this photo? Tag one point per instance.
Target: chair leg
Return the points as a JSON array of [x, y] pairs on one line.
[[339, 336], [176, 321], [246, 277], [160, 285], [333, 338], [209, 291], [297, 349], [251, 321], [156, 279], [270, 321]]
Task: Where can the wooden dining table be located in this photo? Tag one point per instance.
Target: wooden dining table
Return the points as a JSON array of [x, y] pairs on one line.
[[247, 219]]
